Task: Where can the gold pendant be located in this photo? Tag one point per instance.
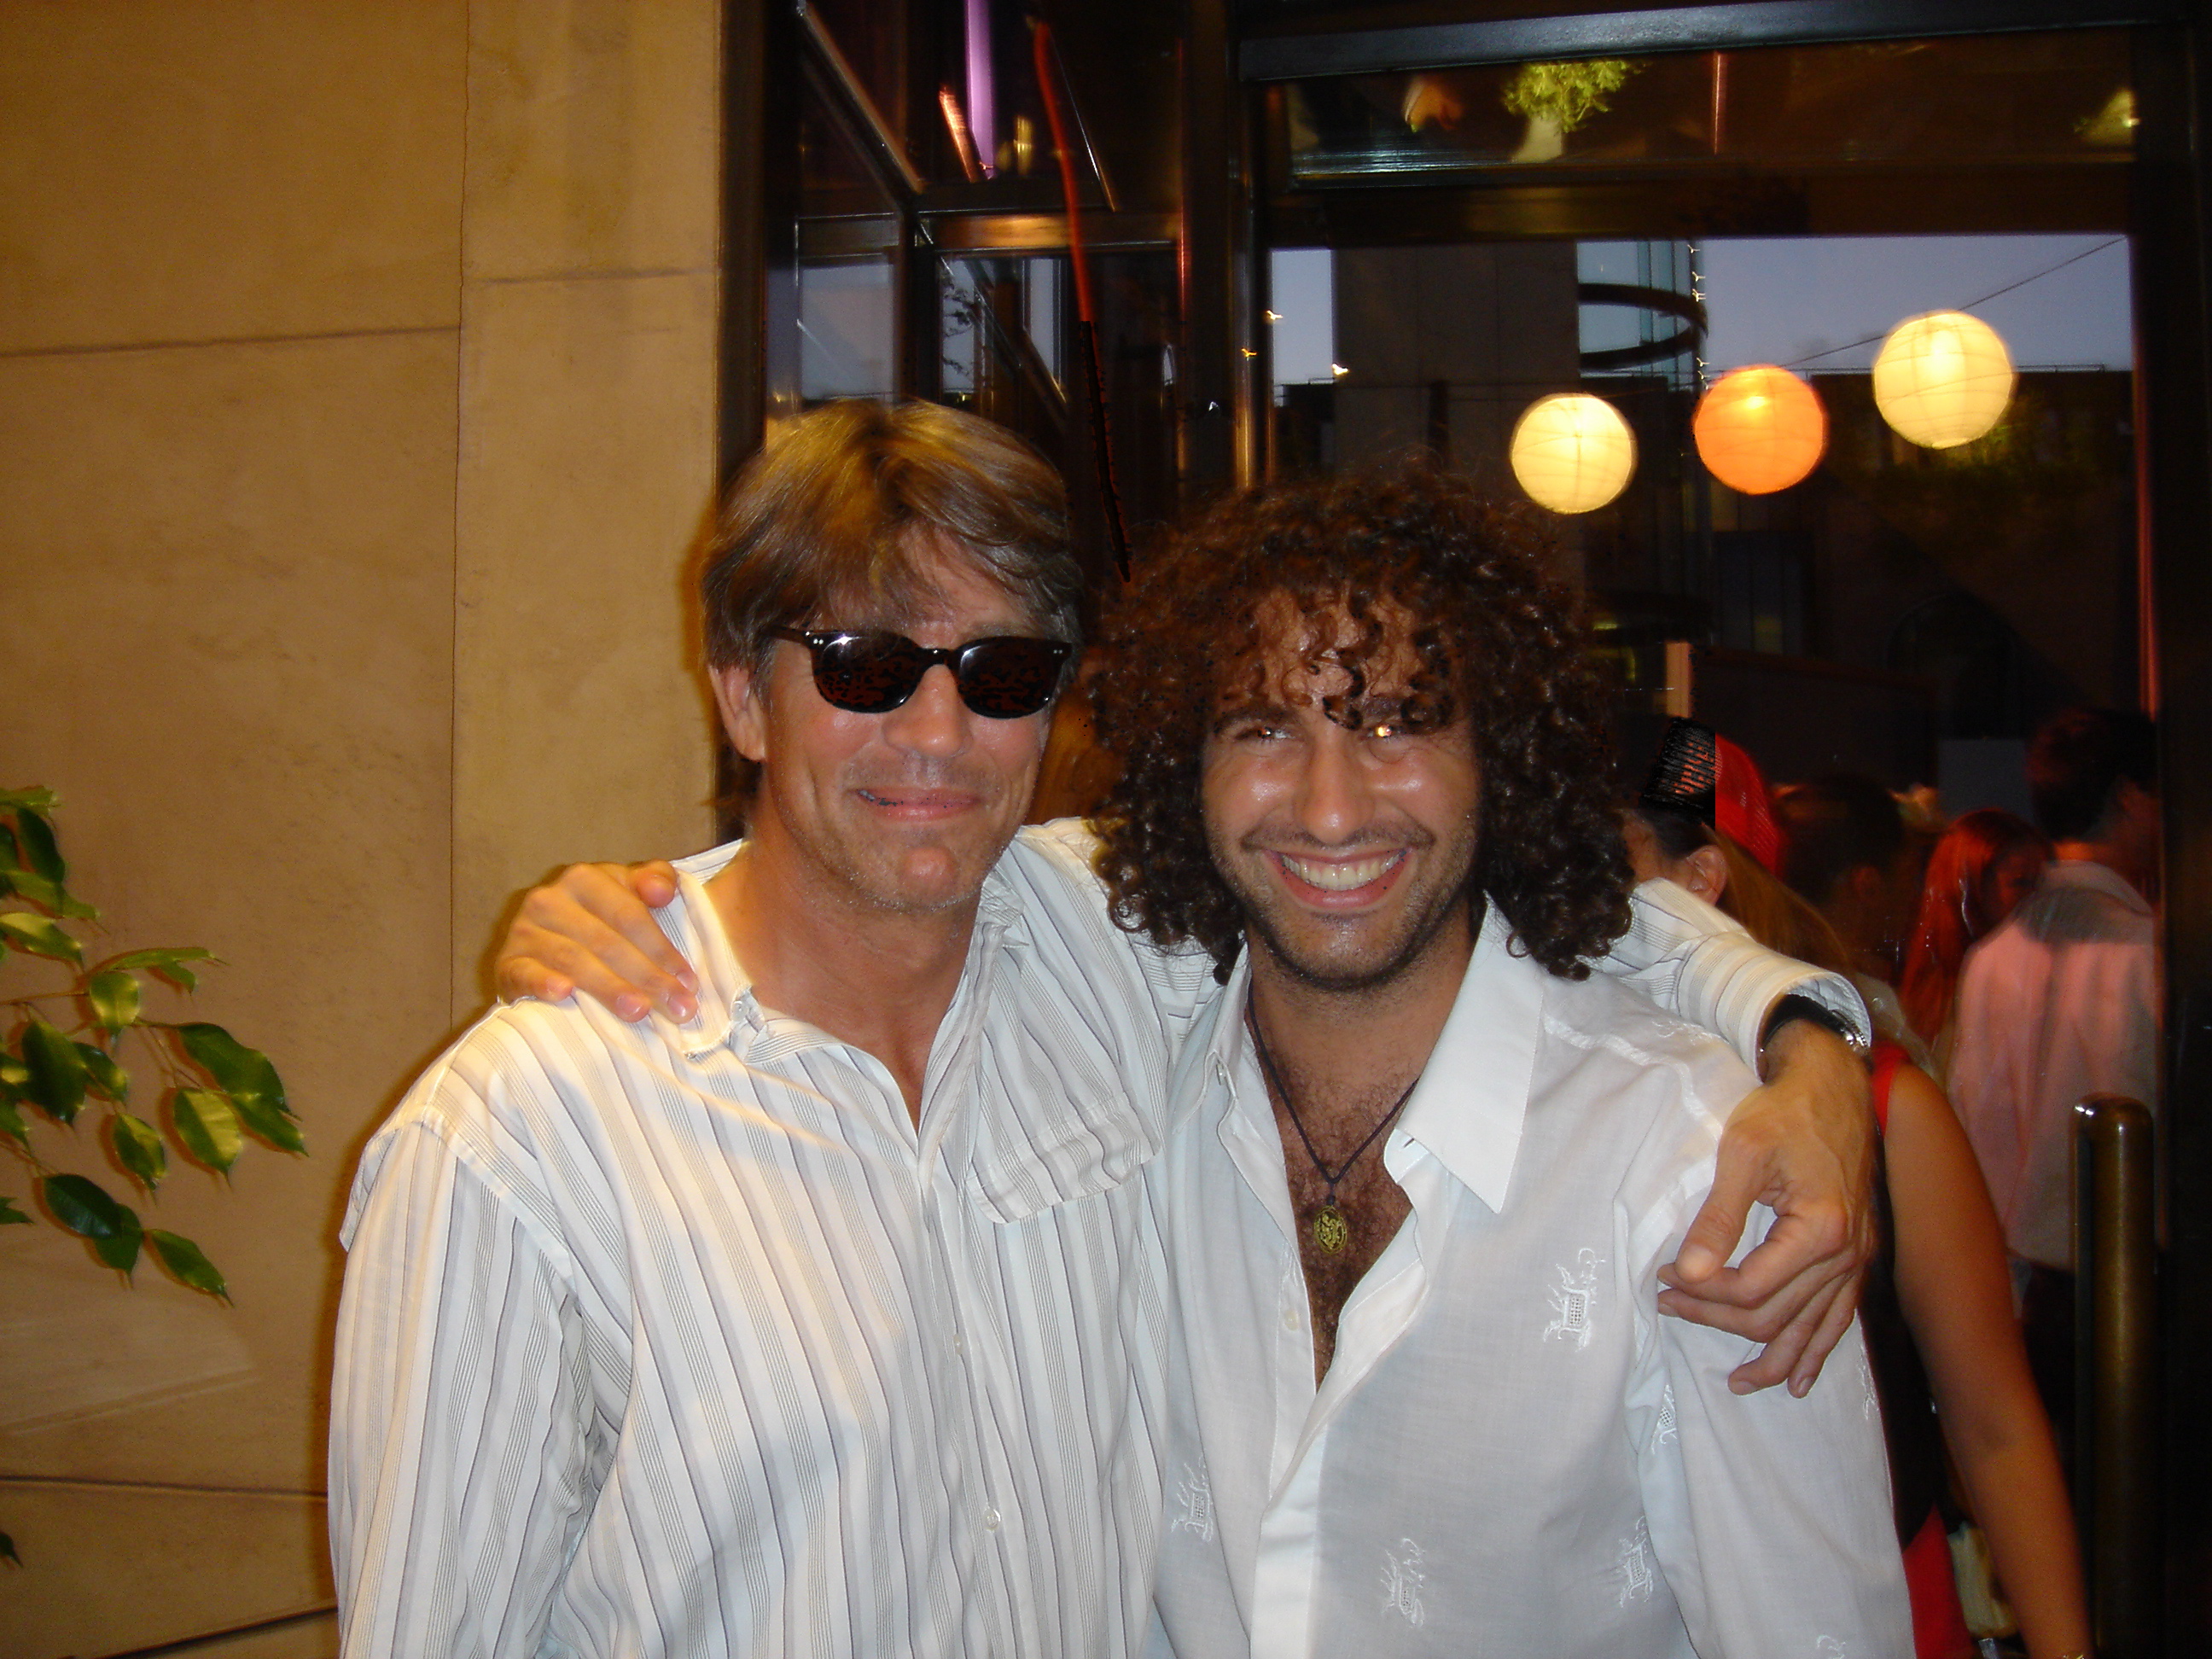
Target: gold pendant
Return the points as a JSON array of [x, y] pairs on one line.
[[1330, 1234]]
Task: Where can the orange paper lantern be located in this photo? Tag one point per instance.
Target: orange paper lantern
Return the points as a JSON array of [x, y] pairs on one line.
[[1760, 429]]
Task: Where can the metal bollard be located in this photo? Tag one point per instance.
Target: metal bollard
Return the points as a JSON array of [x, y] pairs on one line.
[[2116, 1492]]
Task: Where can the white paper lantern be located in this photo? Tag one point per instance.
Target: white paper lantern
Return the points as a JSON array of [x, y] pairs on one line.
[[1572, 452], [1942, 379]]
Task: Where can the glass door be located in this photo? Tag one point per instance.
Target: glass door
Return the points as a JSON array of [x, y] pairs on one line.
[[1459, 255]]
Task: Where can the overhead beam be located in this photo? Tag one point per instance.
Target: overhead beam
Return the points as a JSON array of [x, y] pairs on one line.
[[1680, 28]]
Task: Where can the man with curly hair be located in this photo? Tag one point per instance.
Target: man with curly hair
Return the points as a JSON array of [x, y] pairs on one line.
[[1427, 1168]]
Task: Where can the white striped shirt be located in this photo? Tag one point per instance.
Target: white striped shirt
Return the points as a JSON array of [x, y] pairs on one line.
[[1698, 963], [664, 1339]]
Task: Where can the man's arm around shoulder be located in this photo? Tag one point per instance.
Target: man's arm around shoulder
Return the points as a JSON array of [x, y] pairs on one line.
[[1769, 1515], [1803, 1144]]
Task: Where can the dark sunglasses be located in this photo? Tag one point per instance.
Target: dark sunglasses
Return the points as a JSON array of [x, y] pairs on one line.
[[1004, 677]]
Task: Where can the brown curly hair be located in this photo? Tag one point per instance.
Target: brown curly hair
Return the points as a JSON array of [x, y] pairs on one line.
[[1494, 640]]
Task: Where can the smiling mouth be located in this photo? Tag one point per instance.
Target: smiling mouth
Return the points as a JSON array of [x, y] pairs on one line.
[[1342, 875], [938, 801]]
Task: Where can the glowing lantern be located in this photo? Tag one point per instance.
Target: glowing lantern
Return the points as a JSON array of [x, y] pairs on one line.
[[1942, 379], [1760, 429], [1572, 452]]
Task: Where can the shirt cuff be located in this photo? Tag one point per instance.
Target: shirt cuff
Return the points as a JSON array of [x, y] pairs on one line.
[[1701, 963]]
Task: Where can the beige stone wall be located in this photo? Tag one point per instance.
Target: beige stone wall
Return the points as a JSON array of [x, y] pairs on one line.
[[357, 412]]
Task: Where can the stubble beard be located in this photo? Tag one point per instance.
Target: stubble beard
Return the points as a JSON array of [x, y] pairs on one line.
[[873, 871], [1265, 924]]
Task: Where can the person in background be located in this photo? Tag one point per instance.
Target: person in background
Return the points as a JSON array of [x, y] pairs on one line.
[[1846, 851], [2061, 1002], [1937, 1307], [1983, 866]]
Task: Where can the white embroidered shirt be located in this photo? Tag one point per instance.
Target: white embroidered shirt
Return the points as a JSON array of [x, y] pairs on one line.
[[1512, 1453]]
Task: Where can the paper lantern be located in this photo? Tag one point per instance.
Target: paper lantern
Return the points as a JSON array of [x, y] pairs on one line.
[[1760, 429], [1942, 378], [1572, 452]]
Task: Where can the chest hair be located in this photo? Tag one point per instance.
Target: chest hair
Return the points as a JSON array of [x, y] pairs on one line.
[[1375, 1207]]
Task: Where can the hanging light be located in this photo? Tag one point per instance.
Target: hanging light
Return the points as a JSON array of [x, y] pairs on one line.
[[1759, 429], [1942, 379], [1572, 452]]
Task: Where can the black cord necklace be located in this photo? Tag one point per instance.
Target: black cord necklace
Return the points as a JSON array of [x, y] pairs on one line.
[[1331, 1231]]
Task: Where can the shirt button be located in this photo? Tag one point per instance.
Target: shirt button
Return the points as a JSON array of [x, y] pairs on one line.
[[1289, 1319], [959, 1346], [990, 1519]]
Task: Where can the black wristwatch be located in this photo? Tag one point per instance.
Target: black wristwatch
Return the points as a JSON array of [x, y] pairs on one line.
[[1795, 1006]]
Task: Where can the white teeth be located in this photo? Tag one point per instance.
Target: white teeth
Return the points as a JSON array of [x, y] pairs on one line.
[[1340, 878]]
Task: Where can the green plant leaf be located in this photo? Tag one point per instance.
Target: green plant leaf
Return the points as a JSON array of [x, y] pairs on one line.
[[208, 1126], [40, 853], [56, 1080], [160, 953], [239, 1070], [138, 1148], [10, 1216], [8, 1549], [84, 1207], [11, 1121], [120, 1251], [113, 995], [28, 885], [280, 1129], [182, 1258], [108, 1077], [48, 894], [27, 930], [38, 798], [13, 1073], [166, 964]]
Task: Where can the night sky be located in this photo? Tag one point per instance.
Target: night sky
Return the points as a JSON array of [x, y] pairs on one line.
[[1784, 299]]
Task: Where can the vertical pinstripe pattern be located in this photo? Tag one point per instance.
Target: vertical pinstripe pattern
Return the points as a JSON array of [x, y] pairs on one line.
[[683, 1341], [1699, 964]]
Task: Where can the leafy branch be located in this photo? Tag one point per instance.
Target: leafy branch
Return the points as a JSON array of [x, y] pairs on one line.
[[62, 1061], [1568, 93]]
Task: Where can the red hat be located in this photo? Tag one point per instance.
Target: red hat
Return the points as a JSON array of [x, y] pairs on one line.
[[1703, 774], [1741, 810]]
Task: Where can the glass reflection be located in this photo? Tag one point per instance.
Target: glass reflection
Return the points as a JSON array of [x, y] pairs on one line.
[[2020, 98], [849, 242]]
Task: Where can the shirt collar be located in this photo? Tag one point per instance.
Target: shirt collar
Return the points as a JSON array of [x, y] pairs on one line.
[[729, 1014], [1468, 1108], [1472, 1101], [2097, 878], [695, 928]]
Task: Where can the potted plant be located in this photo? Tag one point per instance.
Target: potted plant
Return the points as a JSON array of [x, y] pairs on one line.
[[61, 1068]]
